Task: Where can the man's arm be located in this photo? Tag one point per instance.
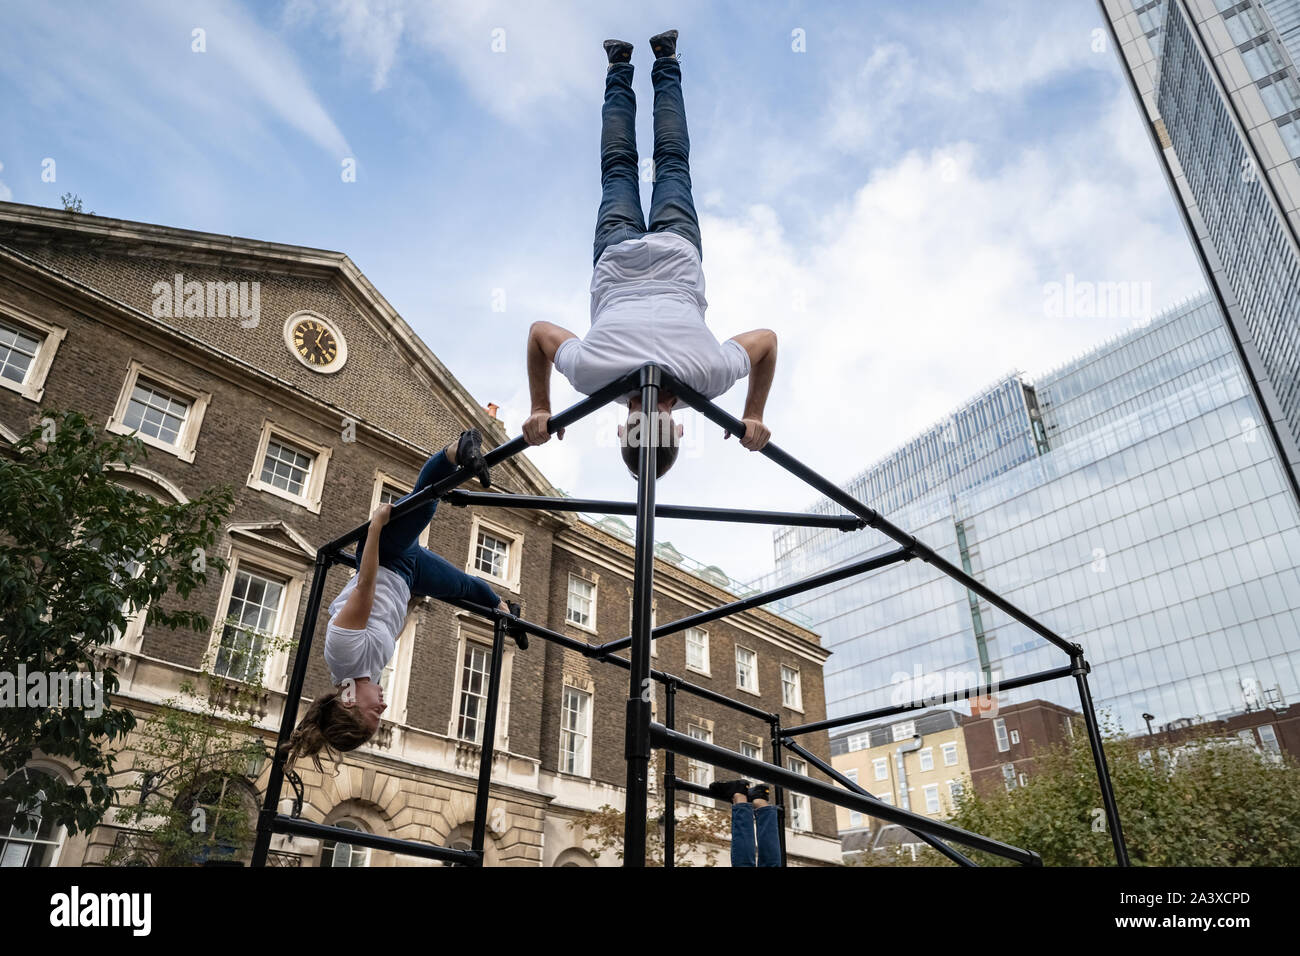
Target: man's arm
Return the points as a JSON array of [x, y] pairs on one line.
[[355, 613], [544, 340], [760, 346]]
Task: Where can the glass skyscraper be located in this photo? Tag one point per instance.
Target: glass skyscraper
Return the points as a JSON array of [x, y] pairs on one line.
[[1127, 499], [1219, 84]]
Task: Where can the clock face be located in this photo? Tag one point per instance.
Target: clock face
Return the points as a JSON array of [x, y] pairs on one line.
[[315, 343]]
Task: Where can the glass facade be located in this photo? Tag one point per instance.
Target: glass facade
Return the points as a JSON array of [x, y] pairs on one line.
[[1153, 526], [1250, 239]]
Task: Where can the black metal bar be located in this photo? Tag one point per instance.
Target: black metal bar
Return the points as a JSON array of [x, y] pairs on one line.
[[375, 841], [872, 517], [688, 787], [661, 736], [292, 698], [670, 779], [595, 652], [487, 749], [1055, 673], [757, 600], [499, 454], [779, 793], [954, 855], [637, 731], [487, 499], [1099, 760]]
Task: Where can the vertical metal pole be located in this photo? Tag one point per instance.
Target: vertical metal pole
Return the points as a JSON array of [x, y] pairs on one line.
[[292, 698], [778, 794], [637, 743], [670, 778], [1099, 758], [487, 750]]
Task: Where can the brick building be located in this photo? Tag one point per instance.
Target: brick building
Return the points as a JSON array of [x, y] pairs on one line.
[[1000, 747], [281, 371]]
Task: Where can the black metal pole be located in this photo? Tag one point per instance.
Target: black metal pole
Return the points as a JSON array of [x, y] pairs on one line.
[[375, 841], [487, 749], [670, 779], [844, 781], [292, 697], [637, 737], [1055, 673], [747, 767], [779, 794], [766, 597], [487, 499], [1099, 759]]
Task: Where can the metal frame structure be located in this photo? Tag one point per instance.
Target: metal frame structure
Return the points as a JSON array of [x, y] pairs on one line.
[[642, 734]]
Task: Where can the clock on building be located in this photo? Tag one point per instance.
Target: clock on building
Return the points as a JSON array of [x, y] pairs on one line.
[[315, 342]]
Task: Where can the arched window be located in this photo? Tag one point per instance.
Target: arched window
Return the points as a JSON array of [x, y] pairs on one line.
[[37, 842], [337, 853], [220, 810]]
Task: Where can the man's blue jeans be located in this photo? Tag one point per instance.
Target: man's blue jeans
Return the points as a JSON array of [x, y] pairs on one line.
[[426, 573], [749, 823], [671, 207]]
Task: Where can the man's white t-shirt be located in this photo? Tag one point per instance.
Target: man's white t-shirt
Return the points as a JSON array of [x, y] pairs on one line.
[[647, 305], [366, 652]]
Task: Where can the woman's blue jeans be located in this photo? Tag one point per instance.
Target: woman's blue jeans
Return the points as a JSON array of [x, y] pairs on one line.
[[671, 207], [427, 574], [749, 825]]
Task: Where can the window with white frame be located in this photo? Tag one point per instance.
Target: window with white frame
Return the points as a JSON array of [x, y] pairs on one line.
[[1268, 739], [926, 755], [852, 774], [955, 789], [250, 622], [1015, 736], [949, 754], [1009, 776], [39, 841], [1000, 731], [881, 766], [581, 609], [388, 491], [746, 669], [393, 679], [575, 732], [749, 748], [700, 773], [475, 669], [495, 553], [886, 797], [1024, 778], [337, 853], [931, 791], [697, 650], [859, 741], [855, 819], [27, 350], [162, 412], [800, 813], [792, 688], [289, 466]]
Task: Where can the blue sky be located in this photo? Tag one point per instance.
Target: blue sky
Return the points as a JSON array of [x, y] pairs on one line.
[[892, 200]]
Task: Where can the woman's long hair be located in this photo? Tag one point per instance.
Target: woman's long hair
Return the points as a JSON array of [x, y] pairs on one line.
[[328, 726]]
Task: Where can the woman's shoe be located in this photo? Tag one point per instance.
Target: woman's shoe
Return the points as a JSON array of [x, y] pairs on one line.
[[469, 454]]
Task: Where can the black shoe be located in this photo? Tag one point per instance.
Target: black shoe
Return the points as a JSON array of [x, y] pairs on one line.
[[469, 454], [665, 44], [726, 789], [618, 51], [759, 791], [514, 630]]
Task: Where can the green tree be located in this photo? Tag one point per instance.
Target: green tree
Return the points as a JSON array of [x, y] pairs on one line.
[[81, 554], [1205, 801], [196, 756]]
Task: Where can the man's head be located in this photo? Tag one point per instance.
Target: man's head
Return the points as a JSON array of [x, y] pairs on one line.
[[657, 428]]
